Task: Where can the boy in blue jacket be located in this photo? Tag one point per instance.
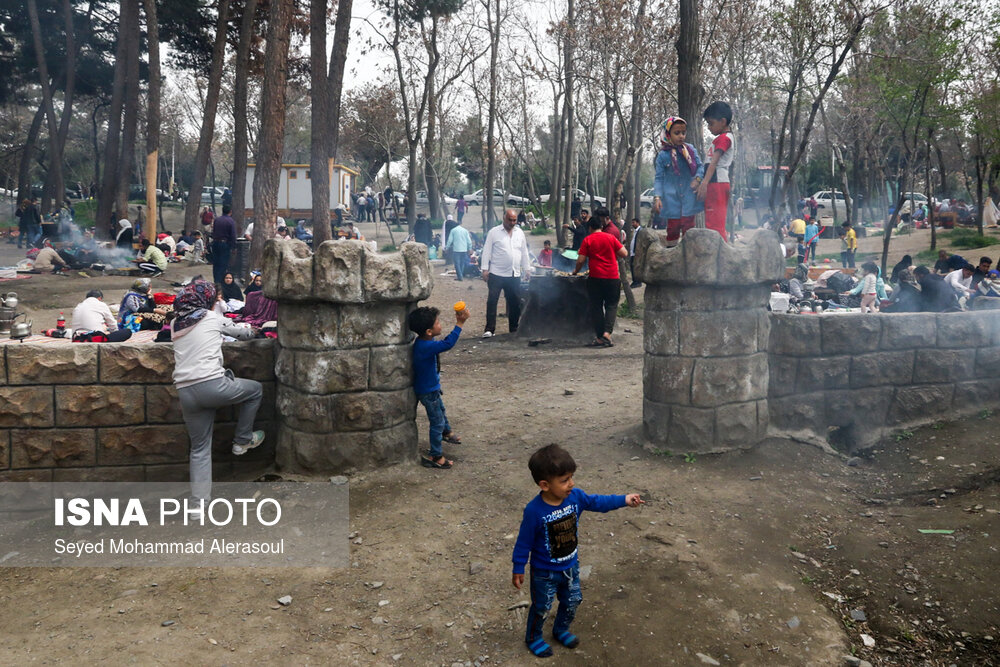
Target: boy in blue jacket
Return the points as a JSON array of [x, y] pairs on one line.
[[427, 378], [548, 536]]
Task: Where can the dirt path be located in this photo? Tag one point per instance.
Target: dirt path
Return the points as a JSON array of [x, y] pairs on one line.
[[732, 557]]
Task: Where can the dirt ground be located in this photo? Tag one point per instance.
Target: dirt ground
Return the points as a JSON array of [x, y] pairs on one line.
[[752, 558]]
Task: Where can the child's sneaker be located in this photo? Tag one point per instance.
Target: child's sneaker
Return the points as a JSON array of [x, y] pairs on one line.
[[255, 439]]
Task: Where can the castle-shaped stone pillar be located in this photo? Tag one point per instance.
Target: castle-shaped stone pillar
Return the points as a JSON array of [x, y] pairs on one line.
[[705, 373], [343, 364]]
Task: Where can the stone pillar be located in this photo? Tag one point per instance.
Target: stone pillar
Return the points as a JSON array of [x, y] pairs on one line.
[[705, 374], [344, 366]]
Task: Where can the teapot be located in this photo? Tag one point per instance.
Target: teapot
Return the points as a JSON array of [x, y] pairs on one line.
[[10, 301], [20, 330]]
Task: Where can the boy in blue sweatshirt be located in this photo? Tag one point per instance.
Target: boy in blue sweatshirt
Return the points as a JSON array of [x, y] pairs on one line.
[[549, 536], [427, 379]]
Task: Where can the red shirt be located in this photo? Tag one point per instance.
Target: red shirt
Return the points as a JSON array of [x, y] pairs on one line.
[[545, 257], [601, 248]]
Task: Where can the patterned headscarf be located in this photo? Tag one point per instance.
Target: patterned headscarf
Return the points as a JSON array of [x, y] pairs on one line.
[[192, 304], [665, 145], [142, 285]]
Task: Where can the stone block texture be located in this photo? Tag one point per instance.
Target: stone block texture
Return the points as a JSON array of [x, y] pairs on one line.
[[343, 364], [707, 334], [109, 411], [857, 378]]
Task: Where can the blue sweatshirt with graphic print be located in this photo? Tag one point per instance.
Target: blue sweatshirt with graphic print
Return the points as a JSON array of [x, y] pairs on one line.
[[426, 377], [548, 533]]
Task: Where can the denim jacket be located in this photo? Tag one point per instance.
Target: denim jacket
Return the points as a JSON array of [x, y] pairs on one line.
[[674, 190]]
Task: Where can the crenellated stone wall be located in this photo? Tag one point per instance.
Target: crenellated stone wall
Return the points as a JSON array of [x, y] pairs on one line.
[[109, 412], [705, 370], [850, 379], [344, 365]]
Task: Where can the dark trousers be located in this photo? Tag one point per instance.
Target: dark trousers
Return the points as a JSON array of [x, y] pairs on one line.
[[847, 258], [604, 294], [511, 287], [220, 260]]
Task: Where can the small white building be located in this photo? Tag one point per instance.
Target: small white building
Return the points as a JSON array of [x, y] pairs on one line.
[[295, 189]]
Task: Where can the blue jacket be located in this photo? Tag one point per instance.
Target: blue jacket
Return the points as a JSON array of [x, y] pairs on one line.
[[426, 377], [812, 232], [548, 534], [674, 191], [879, 286]]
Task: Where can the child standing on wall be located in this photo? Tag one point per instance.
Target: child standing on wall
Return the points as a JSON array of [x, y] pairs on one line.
[[714, 189], [427, 378], [548, 536], [678, 173]]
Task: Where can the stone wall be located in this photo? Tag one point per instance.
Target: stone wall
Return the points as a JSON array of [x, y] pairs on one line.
[[109, 412], [849, 380], [705, 370], [344, 365]]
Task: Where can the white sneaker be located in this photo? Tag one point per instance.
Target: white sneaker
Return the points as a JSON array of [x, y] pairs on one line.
[[255, 439], [487, 334]]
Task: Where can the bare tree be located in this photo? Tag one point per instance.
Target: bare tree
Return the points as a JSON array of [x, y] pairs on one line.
[[240, 105], [319, 158], [130, 110], [152, 115], [109, 182], [272, 131], [208, 118], [55, 159]]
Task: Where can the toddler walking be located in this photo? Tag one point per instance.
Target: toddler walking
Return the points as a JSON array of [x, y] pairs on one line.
[[869, 302], [548, 536]]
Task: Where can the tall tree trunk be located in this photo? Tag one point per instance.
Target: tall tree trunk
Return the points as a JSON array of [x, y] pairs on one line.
[[430, 138], [72, 50], [240, 95], [130, 117], [152, 115], [493, 20], [319, 159], [28, 155], [272, 127], [109, 183], [689, 90], [569, 158], [208, 118], [928, 189], [338, 61], [555, 186], [55, 157]]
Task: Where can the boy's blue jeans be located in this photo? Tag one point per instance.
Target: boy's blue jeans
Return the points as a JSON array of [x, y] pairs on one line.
[[546, 585], [438, 419]]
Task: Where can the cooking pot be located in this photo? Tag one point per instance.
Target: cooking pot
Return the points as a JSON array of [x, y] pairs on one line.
[[20, 330]]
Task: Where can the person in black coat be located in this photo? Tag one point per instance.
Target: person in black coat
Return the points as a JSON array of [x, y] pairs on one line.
[[906, 298], [935, 295], [422, 230], [904, 263]]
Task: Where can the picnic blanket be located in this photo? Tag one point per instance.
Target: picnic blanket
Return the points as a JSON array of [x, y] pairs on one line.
[[39, 339]]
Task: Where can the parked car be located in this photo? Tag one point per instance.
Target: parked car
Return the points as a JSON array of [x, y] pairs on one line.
[[828, 201], [206, 194], [584, 197], [646, 198], [422, 199], [478, 197]]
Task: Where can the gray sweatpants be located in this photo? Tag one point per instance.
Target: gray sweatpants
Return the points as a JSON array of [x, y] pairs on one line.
[[198, 405]]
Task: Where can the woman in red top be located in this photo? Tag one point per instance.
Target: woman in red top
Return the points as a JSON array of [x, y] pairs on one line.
[[603, 284]]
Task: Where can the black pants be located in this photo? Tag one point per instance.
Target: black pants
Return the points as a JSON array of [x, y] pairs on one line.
[[604, 294], [220, 260], [511, 287]]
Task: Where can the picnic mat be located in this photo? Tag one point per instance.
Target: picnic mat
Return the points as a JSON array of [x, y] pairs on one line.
[[20, 276], [38, 339]]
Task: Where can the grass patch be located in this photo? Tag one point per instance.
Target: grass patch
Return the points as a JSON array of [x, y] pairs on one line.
[[388, 247], [539, 231], [625, 311], [84, 212], [926, 257], [969, 239]]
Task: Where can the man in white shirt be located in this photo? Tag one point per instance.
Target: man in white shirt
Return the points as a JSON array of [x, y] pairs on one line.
[[92, 315], [504, 259], [960, 280]]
